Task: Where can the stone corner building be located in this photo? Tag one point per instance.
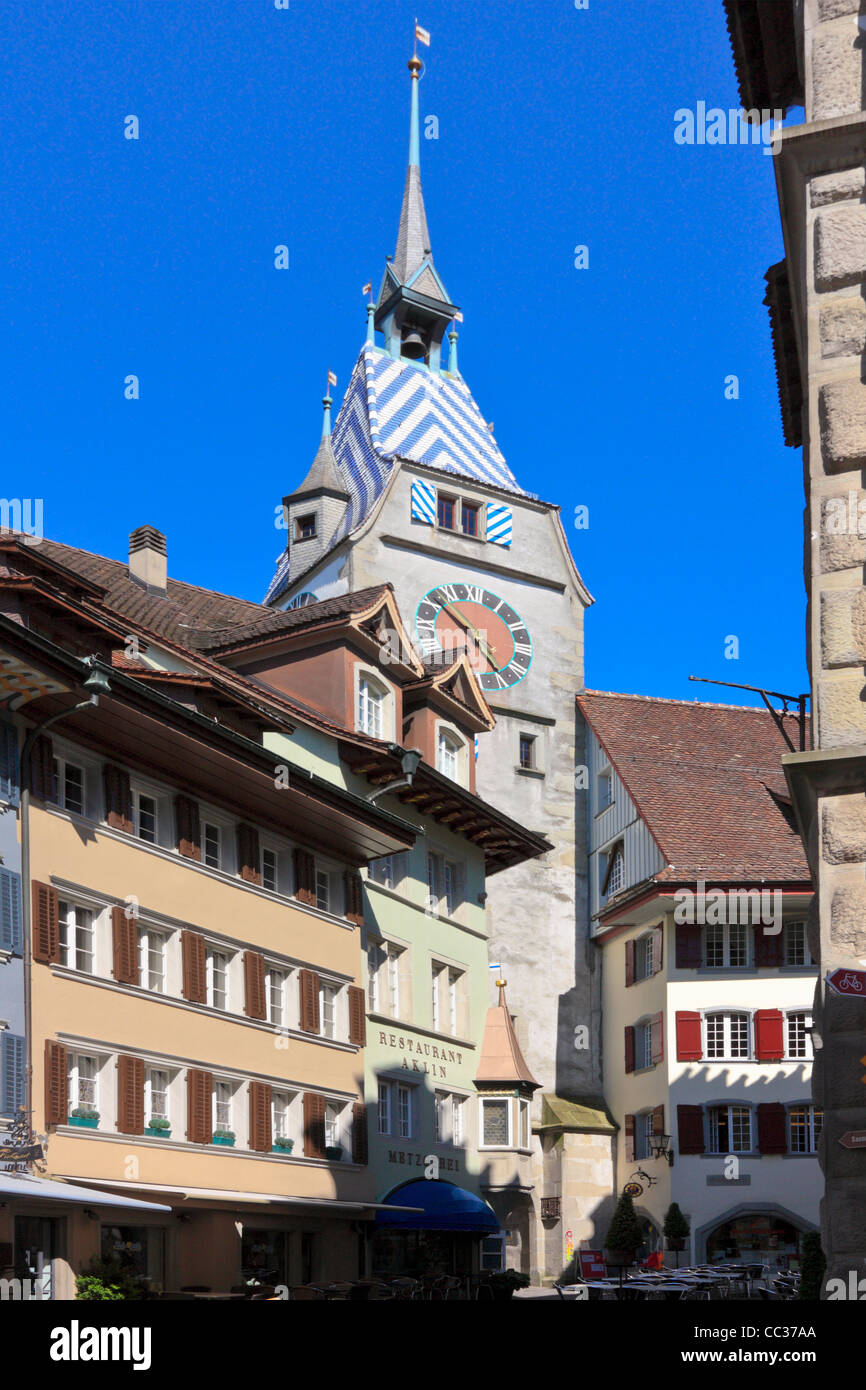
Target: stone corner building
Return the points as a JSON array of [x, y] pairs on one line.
[[812, 53]]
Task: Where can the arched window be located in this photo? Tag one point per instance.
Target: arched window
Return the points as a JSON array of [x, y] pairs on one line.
[[448, 755], [371, 706]]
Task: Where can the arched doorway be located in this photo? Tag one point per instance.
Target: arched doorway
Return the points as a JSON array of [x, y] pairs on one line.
[[755, 1237]]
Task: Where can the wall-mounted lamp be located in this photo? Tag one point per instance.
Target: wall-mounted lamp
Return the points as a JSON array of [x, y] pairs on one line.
[[409, 761], [661, 1147]]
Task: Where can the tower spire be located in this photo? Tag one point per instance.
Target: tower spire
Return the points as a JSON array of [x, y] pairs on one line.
[[413, 236]]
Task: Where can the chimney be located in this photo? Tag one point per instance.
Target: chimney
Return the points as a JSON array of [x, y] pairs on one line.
[[148, 565]]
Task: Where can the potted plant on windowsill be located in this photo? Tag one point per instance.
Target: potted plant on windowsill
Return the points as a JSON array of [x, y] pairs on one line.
[[158, 1127], [623, 1236], [503, 1282], [225, 1137], [84, 1116], [334, 1152], [282, 1145]]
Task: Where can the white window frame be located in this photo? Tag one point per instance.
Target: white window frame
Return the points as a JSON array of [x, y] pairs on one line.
[[728, 1054], [70, 928], [75, 1080], [212, 951], [384, 1107], [725, 931], [613, 877], [333, 1124], [483, 1102], [604, 789], [140, 794], [281, 1109], [271, 851], [62, 764], [802, 935], [150, 1091], [807, 1055], [329, 1000], [147, 935], [405, 1111], [374, 704], [808, 1130], [276, 980], [644, 956], [223, 1096], [712, 1128]]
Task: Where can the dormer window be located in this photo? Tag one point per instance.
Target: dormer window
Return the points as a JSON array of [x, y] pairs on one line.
[[371, 704], [447, 756], [614, 871], [305, 527]]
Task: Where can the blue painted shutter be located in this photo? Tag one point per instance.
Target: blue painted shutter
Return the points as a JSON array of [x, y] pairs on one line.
[[10, 913], [499, 524], [423, 502], [11, 1073], [9, 764]]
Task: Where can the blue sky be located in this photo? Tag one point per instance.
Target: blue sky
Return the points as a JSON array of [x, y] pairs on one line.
[[261, 127]]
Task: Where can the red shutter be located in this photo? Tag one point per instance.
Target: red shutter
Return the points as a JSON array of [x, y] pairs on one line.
[[629, 1138], [659, 1120], [689, 1047], [194, 955], [46, 928], [118, 797], [360, 1148], [314, 1125], [688, 955], [199, 1121], [188, 823], [56, 1097], [690, 1127], [768, 949], [354, 897], [254, 985], [305, 877], [769, 1035], [658, 949], [124, 931], [130, 1094], [357, 1015], [772, 1129], [42, 769], [629, 963], [248, 854], [629, 1048], [260, 1117], [308, 984], [657, 1038]]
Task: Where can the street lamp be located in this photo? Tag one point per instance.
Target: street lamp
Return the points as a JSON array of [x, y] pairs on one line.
[[661, 1147]]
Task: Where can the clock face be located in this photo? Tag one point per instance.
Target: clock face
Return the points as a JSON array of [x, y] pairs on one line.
[[466, 616]]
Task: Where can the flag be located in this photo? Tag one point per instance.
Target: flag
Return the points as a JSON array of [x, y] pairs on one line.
[[459, 316], [489, 422], [332, 380], [368, 288], [422, 35]]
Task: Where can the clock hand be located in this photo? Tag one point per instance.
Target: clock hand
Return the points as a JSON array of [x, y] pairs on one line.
[[486, 651]]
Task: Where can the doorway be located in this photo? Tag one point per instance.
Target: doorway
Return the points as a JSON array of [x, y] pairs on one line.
[[36, 1249]]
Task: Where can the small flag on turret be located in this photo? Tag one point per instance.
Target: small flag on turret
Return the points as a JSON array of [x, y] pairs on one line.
[[332, 379], [422, 35], [459, 316], [368, 288]]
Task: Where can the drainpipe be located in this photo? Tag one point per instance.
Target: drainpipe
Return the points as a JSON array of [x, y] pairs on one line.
[[409, 760], [96, 683]]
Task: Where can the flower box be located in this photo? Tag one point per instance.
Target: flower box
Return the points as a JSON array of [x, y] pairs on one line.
[[282, 1146], [226, 1139], [334, 1152], [84, 1119], [159, 1131]]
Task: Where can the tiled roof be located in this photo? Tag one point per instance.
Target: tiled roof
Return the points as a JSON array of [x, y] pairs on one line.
[[708, 782], [502, 1062]]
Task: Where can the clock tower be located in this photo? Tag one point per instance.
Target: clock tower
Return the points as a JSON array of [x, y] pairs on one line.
[[479, 562]]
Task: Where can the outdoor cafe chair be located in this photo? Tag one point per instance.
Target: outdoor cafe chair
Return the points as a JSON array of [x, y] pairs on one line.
[[406, 1288], [306, 1293]]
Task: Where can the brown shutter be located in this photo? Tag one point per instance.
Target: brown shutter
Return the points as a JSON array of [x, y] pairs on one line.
[[56, 1095], [357, 1016], [772, 1129], [130, 1094], [354, 897], [629, 1138], [194, 972], [46, 928], [305, 877], [688, 953], [690, 1129], [249, 866], [629, 963], [199, 1121], [254, 985], [118, 797], [657, 1039], [658, 949], [308, 984], [188, 823], [360, 1147], [629, 1048], [124, 930], [769, 1035], [314, 1125], [768, 948], [689, 1047], [260, 1117], [659, 1120], [42, 769]]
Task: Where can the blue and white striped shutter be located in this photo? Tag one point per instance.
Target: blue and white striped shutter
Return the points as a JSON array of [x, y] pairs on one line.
[[423, 502], [499, 524], [8, 764], [11, 938], [11, 1073]]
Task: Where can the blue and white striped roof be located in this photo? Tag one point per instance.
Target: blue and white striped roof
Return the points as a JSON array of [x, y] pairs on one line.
[[395, 408]]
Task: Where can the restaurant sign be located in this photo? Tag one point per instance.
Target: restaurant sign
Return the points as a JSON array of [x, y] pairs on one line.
[[421, 1056], [633, 1189]]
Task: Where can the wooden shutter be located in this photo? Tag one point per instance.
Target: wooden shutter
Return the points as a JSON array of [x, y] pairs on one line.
[[360, 1146], [56, 1095], [659, 1120], [657, 1038], [769, 1035], [194, 955], [629, 963], [690, 1129], [357, 1016], [629, 1048], [769, 950], [124, 930], [658, 949], [118, 797], [308, 984], [305, 877], [629, 1138], [46, 929], [260, 1117], [130, 1094], [354, 897], [689, 1048], [254, 985], [199, 1119], [772, 1128], [249, 865], [188, 823], [314, 1125], [688, 955], [42, 768]]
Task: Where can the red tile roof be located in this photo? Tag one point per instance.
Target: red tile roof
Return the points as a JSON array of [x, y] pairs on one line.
[[708, 782]]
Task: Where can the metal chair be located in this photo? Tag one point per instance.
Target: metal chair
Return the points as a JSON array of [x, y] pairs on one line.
[[407, 1289]]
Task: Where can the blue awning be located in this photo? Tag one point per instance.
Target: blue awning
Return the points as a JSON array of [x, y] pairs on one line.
[[444, 1208]]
